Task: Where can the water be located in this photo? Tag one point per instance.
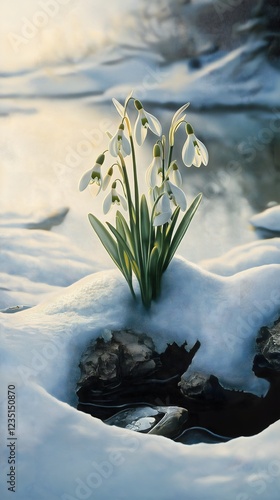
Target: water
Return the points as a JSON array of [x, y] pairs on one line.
[[53, 103]]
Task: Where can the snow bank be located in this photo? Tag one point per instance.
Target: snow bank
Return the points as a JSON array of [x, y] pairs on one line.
[[65, 454], [36, 262], [268, 219], [239, 258]]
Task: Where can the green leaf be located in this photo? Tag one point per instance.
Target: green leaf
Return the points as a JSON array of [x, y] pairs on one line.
[[144, 228], [126, 249], [181, 230], [122, 254], [126, 233], [106, 239], [154, 272]]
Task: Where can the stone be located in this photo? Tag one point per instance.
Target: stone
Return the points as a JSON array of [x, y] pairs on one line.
[[126, 370]]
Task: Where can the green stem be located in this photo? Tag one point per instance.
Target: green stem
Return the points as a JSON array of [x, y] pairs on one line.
[[170, 156]]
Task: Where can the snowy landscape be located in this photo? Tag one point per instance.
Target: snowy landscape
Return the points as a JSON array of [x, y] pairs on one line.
[[63, 62]]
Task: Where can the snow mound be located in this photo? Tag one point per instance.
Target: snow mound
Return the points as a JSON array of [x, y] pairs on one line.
[[35, 263], [268, 219], [65, 454], [242, 257]]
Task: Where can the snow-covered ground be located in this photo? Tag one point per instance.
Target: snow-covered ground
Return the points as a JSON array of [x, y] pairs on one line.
[[62, 453], [56, 87]]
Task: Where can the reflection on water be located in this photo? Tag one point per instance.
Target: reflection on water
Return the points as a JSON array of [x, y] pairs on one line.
[[47, 144]]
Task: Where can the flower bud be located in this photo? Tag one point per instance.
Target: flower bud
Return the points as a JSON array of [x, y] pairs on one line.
[[189, 129], [156, 151], [100, 159], [138, 105]]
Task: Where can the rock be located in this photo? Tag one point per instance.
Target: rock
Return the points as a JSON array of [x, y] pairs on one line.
[[44, 220], [203, 387], [267, 361], [53, 219], [165, 421], [127, 371], [14, 309], [171, 425]]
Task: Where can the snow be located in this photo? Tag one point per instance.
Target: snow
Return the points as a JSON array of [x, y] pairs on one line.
[[59, 86], [35, 263], [63, 453], [268, 219], [253, 254]]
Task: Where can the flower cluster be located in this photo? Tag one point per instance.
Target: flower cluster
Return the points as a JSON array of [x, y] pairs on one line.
[[144, 244]]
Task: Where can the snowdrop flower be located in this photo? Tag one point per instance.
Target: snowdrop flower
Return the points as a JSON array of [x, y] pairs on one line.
[[113, 198], [144, 121], [163, 211], [194, 151], [107, 179], [93, 176], [176, 194], [154, 171], [119, 143], [174, 174]]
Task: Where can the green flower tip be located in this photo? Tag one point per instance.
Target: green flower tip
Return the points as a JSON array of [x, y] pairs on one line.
[[138, 105], [189, 128], [156, 151], [175, 166], [114, 185], [121, 127], [100, 159]]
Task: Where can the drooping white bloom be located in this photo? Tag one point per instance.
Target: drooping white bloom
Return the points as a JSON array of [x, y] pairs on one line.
[[144, 121], [119, 143], [176, 194], [154, 171], [173, 173], [113, 198], [163, 211], [107, 179], [93, 176], [194, 151]]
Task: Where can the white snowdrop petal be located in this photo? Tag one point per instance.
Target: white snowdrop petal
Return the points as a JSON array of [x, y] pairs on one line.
[[123, 202], [177, 177], [197, 160], [138, 131], [85, 179], [106, 181], [179, 196], [188, 152], [161, 219], [126, 145], [154, 124], [94, 188], [107, 203], [113, 145], [203, 152]]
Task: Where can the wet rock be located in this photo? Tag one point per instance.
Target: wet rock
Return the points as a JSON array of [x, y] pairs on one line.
[[206, 388], [165, 421], [128, 371], [267, 361]]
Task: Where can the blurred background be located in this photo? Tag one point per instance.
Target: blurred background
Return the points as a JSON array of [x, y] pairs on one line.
[[61, 63]]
